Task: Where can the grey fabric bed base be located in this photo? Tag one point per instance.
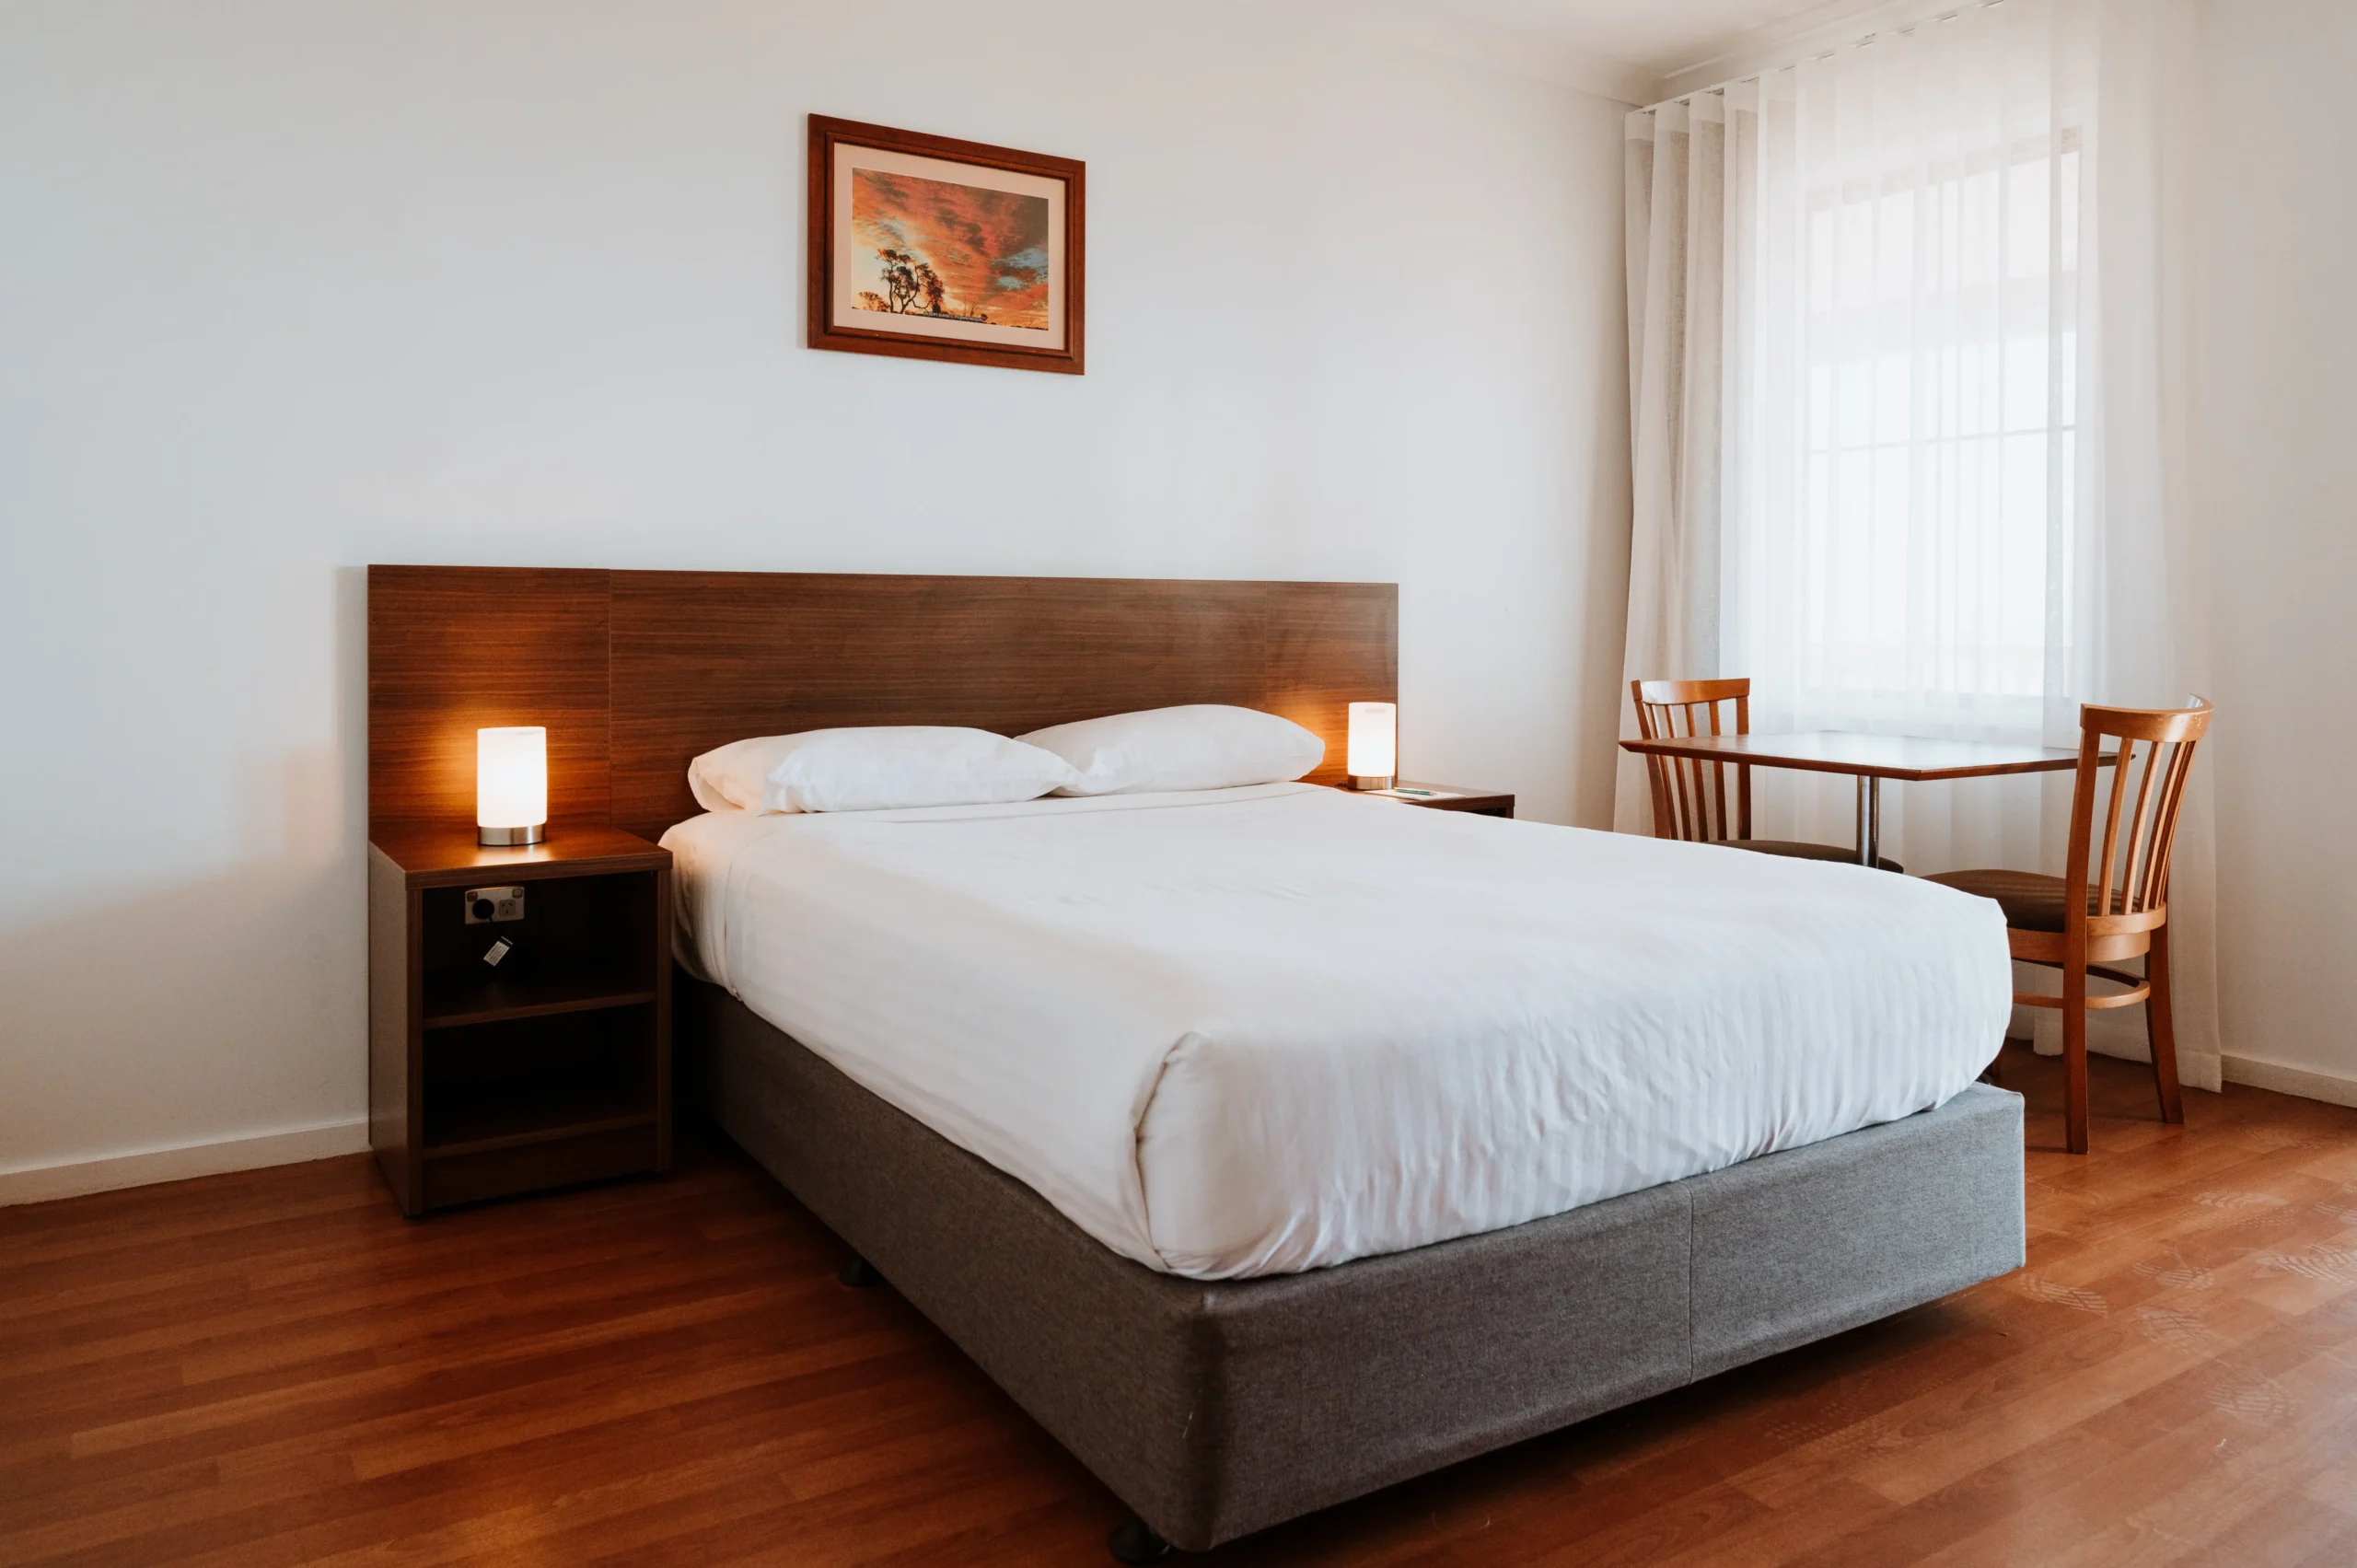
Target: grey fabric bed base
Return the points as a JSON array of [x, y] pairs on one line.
[[1216, 1409]]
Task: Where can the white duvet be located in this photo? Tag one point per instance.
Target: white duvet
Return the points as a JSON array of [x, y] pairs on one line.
[[1257, 1030]]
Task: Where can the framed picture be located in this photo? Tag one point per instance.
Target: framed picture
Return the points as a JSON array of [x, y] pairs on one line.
[[935, 248]]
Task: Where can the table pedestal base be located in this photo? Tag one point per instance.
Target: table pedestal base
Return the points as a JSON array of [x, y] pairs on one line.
[[1869, 820]]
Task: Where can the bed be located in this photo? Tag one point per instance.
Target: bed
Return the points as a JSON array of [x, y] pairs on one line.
[[1268, 1148]]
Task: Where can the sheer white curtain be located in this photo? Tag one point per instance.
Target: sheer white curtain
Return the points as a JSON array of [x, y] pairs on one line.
[[1903, 331]]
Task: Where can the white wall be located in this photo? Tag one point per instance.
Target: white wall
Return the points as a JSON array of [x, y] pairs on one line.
[[288, 288], [2277, 465]]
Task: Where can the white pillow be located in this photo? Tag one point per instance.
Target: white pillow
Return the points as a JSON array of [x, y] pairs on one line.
[[876, 768], [1203, 746]]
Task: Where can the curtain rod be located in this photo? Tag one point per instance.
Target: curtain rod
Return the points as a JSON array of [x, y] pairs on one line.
[[1859, 42]]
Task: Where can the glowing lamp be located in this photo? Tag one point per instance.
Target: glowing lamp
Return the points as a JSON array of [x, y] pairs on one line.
[[512, 784], [1374, 745]]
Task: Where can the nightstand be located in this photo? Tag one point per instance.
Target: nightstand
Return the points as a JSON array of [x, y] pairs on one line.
[[1452, 797], [554, 1066]]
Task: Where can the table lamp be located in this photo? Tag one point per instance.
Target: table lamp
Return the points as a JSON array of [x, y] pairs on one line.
[[1374, 745], [512, 784]]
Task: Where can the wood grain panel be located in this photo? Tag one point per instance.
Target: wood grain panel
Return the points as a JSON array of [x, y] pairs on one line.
[[1327, 650], [396, 1003], [636, 672], [272, 1366], [455, 649], [704, 659]]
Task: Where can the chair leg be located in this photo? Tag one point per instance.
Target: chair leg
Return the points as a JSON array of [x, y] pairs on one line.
[[2075, 1055], [2160, 1028]]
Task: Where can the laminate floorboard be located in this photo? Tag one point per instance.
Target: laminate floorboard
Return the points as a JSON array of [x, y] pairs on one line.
[[273, 1367]]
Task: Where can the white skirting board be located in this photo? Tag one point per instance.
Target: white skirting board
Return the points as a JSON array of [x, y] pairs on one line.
[[2107, 1035], [2330, 1087], [42, 1183], [39, 1183], [2118, 1031]]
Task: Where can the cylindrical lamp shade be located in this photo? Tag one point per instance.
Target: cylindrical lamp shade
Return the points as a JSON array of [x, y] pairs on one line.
[[512, 784], [1374, 745]]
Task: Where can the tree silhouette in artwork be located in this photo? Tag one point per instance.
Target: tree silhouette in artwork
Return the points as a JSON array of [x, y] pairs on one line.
[[907, 277], [900, 277]]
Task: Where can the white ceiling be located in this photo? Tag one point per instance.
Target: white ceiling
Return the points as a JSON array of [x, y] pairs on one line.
[[1661, 35], [1636, 50]]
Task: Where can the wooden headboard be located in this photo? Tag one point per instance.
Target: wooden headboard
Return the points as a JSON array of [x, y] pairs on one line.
[[635, 672]]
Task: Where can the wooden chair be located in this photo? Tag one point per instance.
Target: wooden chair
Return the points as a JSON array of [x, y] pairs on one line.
[[1690, 795], [2095, 914]]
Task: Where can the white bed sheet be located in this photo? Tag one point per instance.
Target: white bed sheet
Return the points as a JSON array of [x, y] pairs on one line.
[[1250, 1031]]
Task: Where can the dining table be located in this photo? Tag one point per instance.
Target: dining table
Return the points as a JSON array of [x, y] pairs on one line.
[[1871, 758]]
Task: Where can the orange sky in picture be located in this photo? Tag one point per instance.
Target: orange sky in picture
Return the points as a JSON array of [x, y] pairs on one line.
[[990, 247]]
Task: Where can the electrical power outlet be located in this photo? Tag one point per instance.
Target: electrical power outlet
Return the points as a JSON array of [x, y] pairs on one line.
[[486, 905]]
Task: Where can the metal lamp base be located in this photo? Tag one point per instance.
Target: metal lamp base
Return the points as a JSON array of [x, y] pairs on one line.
[[510, 838], [1374, 781]]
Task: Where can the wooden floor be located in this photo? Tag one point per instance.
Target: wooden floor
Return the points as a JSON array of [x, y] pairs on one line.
[[273, 1367]]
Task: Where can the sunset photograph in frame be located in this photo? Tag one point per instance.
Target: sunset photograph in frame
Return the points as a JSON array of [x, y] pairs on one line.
[[931, 248]]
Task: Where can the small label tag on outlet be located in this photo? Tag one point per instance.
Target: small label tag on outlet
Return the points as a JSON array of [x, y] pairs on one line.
[[497, 951], [484, 905]]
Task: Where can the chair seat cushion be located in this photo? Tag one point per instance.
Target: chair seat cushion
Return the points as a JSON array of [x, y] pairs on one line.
[[2032, 902], [1799, 850]]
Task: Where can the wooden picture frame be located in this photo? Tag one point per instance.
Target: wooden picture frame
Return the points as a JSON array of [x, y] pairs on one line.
[[930, 247]]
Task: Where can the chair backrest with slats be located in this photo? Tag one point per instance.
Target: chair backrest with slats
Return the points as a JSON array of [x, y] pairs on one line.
[[2128, 881], [1690, 798]]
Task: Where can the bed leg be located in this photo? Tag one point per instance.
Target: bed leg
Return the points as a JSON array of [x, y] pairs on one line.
[[1134, 1540], [859, 1273]]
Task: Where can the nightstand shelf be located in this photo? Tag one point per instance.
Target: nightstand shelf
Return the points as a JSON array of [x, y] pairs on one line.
[[493, 1001], [557, 1069], [517, 1114]]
